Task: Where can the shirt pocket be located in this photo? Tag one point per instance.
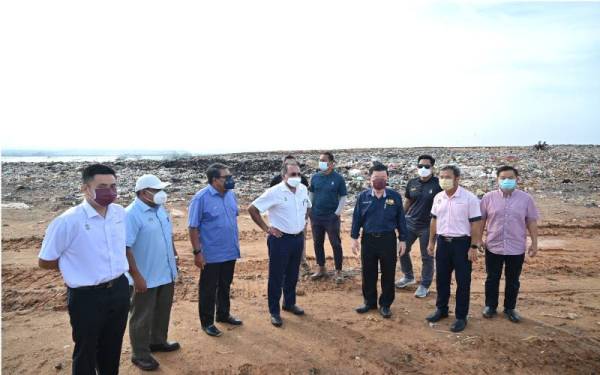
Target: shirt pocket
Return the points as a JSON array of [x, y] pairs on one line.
[[118, 234], [211, 215], [460, 210]]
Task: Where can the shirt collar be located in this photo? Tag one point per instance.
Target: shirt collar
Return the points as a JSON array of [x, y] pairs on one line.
[[89, 210], [284, 187], [142, 205], [455, 195], [214, 191], [384, 192]]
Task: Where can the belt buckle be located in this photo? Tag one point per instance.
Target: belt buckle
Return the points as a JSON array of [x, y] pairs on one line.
[[109, 284], [447, 239]]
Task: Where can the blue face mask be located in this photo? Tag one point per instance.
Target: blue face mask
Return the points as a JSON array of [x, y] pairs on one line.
[[508, 184], [229, 183], [323, 165]]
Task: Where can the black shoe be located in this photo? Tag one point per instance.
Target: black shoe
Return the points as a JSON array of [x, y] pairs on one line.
[[230, 320], [146, 364], [489, 312], [294, 310], [385, 312], [512, 315], [458, 325], [437, 315], [168, 346], [211, 330], [276, 320], [364, 309]]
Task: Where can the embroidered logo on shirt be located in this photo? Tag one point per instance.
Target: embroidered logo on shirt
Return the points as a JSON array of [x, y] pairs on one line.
[[87, 226], [390, 202]]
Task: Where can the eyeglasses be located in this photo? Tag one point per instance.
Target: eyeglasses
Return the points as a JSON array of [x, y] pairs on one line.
[[424, 166], [225, 177], [295, 174]]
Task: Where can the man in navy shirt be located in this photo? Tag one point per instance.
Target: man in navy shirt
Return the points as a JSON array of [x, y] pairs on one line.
[[380, 214], [420, 192], [328, 195]]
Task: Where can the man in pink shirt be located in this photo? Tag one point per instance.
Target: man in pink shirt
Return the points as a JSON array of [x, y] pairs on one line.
[[509, 213], [456, 220]]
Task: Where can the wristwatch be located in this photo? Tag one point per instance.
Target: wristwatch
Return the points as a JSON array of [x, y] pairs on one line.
[[197, 251], [474, 246]]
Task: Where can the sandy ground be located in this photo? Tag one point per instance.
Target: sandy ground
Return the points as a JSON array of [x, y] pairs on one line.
[[559, 300]]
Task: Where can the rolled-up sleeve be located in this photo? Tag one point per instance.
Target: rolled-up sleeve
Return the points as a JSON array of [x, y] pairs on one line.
[[266, 200], [356, 219], [55, 241], [474, 209], [195, 212]]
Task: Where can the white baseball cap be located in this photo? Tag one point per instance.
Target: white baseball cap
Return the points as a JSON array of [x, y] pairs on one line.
[[150, 181]]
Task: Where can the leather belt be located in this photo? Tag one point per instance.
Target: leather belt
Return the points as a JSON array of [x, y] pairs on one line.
[[450, 239], [106, 285]]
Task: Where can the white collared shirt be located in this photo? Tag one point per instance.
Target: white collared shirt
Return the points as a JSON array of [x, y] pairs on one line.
[[90, 248], [286, 210]]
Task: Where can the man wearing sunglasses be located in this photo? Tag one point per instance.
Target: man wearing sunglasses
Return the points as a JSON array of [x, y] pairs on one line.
[[287, 205], [214, 235], [419, 195]]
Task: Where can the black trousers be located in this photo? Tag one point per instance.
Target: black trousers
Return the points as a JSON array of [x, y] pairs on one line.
[[449, 257], [330, 225], [512, 270], [214, 286], [98, 319], [378, 251]]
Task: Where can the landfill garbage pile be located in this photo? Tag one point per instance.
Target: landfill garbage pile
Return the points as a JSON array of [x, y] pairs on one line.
[[570, 173]]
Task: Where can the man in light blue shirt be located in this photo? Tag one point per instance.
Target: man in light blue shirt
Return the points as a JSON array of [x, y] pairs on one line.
[[213, 229], [153, 270]]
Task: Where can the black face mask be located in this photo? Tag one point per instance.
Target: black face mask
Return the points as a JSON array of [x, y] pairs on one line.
[[229, 183]]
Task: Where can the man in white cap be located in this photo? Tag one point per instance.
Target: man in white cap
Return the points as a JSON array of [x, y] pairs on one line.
[[152, 269]]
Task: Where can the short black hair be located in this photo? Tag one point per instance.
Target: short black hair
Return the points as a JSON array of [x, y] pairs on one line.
[[214, 171], [378, 167], [288, 157], [455, 170], [91, 170], [329, 155], [506, 168], [426, 157]]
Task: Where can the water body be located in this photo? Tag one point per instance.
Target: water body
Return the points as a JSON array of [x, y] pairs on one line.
[[74, 158]]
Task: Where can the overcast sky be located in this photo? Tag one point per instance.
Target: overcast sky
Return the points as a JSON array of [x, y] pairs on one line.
[[225, 76]]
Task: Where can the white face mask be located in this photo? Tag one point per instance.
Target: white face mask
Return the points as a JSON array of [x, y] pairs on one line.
[[424, 172], [293, 181], [160, 197], [323, 165]]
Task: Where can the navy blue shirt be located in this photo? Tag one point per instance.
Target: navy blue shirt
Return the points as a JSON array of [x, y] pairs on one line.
[[376, 215], [327, 190], [421, 194]]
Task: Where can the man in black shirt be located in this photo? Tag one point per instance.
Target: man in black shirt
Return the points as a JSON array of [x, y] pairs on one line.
[[420, 192], [304, 181]]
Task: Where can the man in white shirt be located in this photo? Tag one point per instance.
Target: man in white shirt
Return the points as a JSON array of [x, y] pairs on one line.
[[287, 205], [87, 244]]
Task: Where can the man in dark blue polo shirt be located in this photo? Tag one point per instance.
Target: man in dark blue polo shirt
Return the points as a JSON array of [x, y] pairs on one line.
[[328, 195], [420, 192], [380, 214]]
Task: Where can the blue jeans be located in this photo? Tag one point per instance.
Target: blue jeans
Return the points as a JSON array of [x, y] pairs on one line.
[[285, 254], [331, 225], [428, 262]]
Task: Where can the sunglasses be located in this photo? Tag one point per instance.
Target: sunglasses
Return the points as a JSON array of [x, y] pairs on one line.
[[225, 177], [424, 166], [294, 174]]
